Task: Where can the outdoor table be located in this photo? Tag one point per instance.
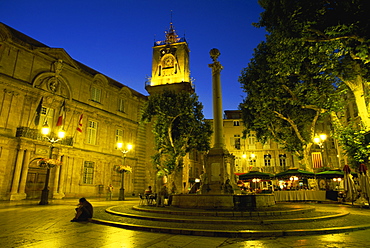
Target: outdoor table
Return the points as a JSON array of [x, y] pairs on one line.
[[300, 195]]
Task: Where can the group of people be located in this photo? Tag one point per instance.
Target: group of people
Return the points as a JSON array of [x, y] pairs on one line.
[[84, 210], [158, 198]]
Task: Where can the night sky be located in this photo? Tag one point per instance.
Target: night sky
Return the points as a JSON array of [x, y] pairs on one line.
[[115, 37]]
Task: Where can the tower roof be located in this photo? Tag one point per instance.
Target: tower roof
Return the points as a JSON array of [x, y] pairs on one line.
[[171, 37]]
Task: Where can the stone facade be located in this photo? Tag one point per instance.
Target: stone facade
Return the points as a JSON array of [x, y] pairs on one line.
[[251, 155], [31, 71]]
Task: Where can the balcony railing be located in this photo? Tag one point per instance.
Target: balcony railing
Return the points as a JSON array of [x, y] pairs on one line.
[[35, 134], [165, 42]]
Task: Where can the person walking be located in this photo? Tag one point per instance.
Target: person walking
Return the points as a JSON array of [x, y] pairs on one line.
[[109, 192]]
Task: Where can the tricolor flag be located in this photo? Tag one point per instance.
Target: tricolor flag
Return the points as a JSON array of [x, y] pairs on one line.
[[316, 160], [38, 112], [62, 114], [79, 127]]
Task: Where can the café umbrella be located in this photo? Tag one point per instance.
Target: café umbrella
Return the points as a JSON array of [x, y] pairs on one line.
[[330, 174], [349, 185], [364, 182], [295, 173], [255, 174]]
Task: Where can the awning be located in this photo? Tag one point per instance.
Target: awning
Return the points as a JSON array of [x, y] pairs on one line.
[[255, 174], [295, 172]]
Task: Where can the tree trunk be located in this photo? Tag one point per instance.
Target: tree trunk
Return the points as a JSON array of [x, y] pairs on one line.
[[306, 162], [358, 91], [175, 182]]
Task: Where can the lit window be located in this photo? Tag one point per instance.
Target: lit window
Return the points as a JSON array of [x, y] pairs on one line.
[[267, 160], [95, 94], [282, 160], [88, 173], [119, 135], [121, 105], [92, 128], [237, 141], [253, 160], [47, 115], [252, 139]]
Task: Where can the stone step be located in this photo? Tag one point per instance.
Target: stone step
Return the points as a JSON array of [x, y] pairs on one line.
[[163, 220]]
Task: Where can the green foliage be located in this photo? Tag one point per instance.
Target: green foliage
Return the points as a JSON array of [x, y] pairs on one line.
[[178, 126], [352, 140], [282, 106], [314, 54]]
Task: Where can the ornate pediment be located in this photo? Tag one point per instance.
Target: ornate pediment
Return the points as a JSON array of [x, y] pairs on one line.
[[58, 54]]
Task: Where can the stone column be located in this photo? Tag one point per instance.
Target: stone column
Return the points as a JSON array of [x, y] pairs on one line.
[[62, 176], [16, 175], [22, 185], [217, 99], [217, 171]]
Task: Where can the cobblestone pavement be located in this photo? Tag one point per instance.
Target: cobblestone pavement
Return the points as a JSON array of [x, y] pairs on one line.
[[26, 224]]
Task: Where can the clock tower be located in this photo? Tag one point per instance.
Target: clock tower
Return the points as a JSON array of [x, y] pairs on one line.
[[170, 65]]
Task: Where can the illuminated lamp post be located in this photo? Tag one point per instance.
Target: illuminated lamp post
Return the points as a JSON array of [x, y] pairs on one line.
[[319, 140], [255, 180], [244, 168], [45, 130], [251, 161], [124, 151], [337, 182], [293, 180]]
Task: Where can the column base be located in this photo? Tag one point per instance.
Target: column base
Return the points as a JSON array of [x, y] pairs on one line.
[[58, 196], [18, 196]]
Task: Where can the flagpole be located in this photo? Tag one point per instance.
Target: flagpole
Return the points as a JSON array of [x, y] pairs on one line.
[[37, 113], [78, 126]]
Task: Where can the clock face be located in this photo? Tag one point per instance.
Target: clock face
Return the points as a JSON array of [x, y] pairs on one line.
[[168, 61]]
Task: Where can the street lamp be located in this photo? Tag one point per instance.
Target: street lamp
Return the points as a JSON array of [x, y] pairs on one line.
[[45, 130], [124, 151], [244, 165], [319, 140]]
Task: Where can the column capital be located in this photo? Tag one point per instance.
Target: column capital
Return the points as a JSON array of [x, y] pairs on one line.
[[216, 67]]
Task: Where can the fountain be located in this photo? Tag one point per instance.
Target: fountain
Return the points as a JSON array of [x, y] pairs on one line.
[[218, 181]]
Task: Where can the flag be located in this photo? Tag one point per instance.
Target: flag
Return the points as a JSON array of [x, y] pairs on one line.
[[316, 160], [79, 127], [38, 112], [62, 114]]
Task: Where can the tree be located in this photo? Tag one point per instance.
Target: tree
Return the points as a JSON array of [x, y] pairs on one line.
[[284, 108], [334, 35], [330, 36], [179, 127]]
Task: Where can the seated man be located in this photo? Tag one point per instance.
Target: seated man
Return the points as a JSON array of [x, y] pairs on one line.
[[84, 212], [147, 194]]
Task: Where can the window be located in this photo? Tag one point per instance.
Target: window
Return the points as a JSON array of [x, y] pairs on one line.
[[237, 161], [252, 140], [92, 128], [47, 115], [253, 161], [267, 160], [237, 141], [95, 94], [119, 135], [88, 173], [236, 123], [121, 105], [282, 160]]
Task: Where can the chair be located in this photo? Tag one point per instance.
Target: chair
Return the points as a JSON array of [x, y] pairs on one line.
[[142, 199], [151, 198]]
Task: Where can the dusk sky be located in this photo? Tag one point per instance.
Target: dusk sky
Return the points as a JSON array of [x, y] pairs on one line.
[[115, 37]]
